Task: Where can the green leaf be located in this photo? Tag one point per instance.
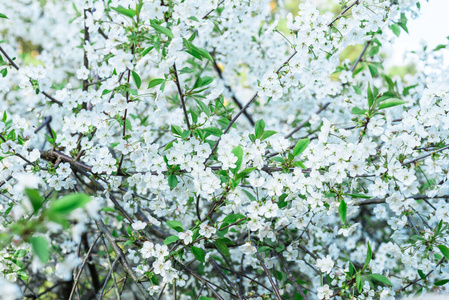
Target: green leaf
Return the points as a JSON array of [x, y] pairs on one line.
[[373, 70], [176, 129], [204, 53], [3, 16], [444, 250], [358, 281], [185, 134], [146, 51], [391, 102], [163, 30], [441, 282], [359, 196], [176, 225], [20, 253], [380, 278], [301, 145], [137, 79], [232, 218], [206, 80], [369, 255], [441, 46], [396, 30], [35, 198], [237, 151], [198, 253], [222, 247], [267, 134], [259, 127], [69, 203], [370, 96], [125, 11], [245, 172], [203, 107], [214, 131], [421, 274], [40, 248], [155, 82], [358, 111], [342, 209], [171, 239], [172, 181]]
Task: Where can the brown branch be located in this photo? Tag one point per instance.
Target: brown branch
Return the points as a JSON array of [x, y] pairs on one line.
[[343, 12], [118, 251], [278, 295], [225, 277], [78, 275], [234, 98], [185, 268], [424, 156], [360, 56], [181, 95], [292, 279]]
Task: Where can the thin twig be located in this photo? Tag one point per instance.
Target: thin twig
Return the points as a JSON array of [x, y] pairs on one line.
[[225, 277], [181, 95], [123, 260], [75, 282], [360, 56], [292, 279], [107, 277], [343, 12], [278, 295], [237, 101]]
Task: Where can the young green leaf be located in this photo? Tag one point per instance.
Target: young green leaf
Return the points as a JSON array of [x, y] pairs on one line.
[[369, 255], [136, 79], [444, 250], [391, 102], [441, 282], [204, 53], [35, 198], [155, 82], [69, 203], [171, 239], [203, 107], [176, 225], [232, 218], [222, 247], [342, 209], [125, 11], [370, 96], [301, 145], [259, 127], [357, 111], [163, 30], [267, 134], [3, 16], [40, 248], [380, 278], [198, 253], [172, 181], [237, 151], [214, 131]]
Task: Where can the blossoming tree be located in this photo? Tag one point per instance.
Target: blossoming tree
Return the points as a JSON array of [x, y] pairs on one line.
[[213, 149]]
